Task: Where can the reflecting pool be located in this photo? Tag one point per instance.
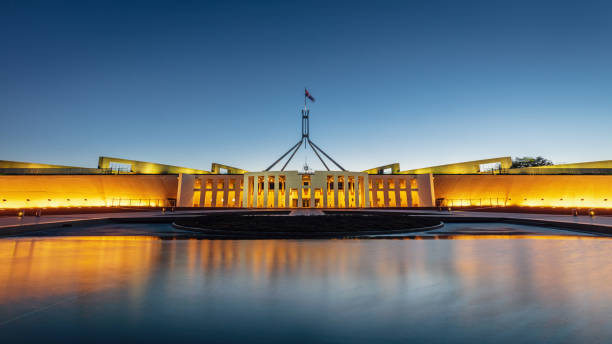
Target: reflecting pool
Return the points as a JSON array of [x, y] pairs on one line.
[[137, 288]]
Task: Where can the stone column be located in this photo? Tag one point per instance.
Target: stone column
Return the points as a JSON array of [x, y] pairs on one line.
[[245, 191], [374, 193], [324, 191], [312, 192], [356, 187], [255, 190], [266, 189], [366, 191], [409, 193], [276, 177], [184, 194], [336, 191], [425, 184], [238, 192], [386, 191], [226, 190], [398, 200], [215, 184], [203, 191], [346, 189]]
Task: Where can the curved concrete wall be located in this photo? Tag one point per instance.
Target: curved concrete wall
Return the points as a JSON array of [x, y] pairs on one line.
[[86, 190], [457, 190], [525, 190]]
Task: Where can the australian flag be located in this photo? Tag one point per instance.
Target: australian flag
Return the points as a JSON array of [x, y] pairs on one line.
[[307, 95]]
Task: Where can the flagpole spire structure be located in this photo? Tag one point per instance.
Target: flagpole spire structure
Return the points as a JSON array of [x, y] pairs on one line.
[[305, 139]]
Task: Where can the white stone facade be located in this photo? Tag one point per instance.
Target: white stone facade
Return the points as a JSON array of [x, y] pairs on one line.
[[290, 189]]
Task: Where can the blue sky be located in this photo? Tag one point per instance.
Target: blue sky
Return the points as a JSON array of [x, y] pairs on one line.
[[416, 82]]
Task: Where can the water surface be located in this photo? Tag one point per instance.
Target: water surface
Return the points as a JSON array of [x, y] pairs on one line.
[[137, 288]]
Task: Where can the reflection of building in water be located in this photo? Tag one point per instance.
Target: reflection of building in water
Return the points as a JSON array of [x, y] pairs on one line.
[[42, 268], [58, 266]]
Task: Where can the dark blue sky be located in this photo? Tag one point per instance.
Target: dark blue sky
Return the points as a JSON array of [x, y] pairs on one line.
[[420, 83]]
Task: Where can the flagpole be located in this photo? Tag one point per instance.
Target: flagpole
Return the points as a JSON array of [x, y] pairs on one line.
[[306, 140], [305, 113]]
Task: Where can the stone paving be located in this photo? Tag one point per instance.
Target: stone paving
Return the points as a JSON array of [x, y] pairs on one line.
[[602, 220], [306, 212], [13, 221]]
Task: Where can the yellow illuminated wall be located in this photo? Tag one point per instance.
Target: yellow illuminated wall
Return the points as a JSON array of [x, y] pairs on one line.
[[148, 167], [589, 164], [216, 169], [575, 168], [525, 190], [41, 191], [462, 167], [19, 164], [395, 168], [31, 191]]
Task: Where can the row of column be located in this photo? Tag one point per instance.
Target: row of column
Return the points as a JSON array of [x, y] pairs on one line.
[[345, 187], [385, 189], [186, 190], [294, 181], [254, 191]]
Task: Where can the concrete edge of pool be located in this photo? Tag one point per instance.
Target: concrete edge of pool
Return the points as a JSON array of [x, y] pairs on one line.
[[50, 224], [224, 234]]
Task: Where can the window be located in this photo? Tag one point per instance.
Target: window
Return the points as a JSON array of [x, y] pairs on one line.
[[119, 167], [493, 166]]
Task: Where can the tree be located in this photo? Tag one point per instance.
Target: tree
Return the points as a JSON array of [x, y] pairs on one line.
[[528, 161]]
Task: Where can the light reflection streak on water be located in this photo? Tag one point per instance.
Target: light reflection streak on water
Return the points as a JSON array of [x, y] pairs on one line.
[[533, 280], [44, 267]]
